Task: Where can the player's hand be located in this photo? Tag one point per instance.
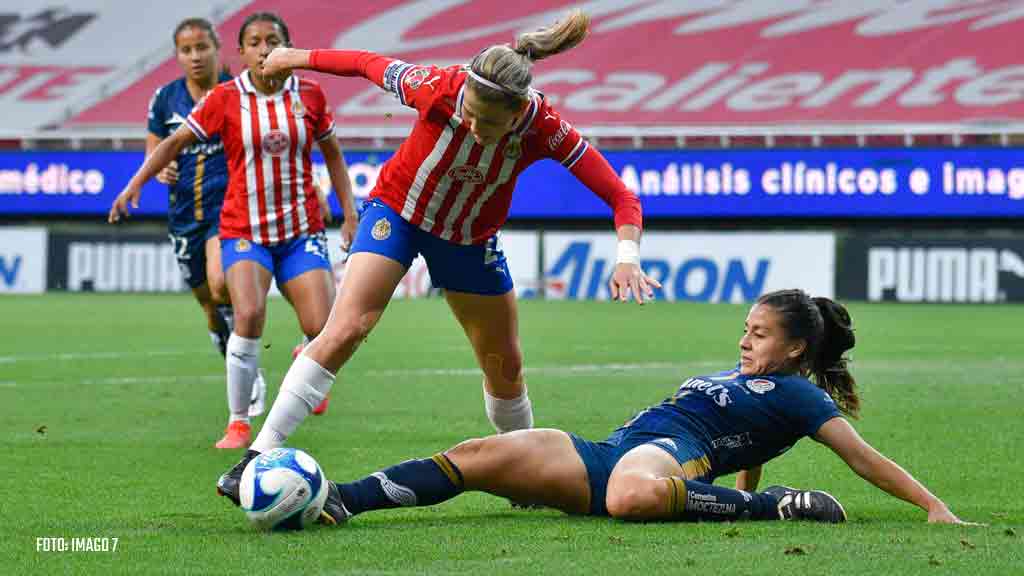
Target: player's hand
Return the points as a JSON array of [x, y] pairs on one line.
[[169, 175], [942, 515], [120, 206], [348, 231], [280, 59], [629, 278]]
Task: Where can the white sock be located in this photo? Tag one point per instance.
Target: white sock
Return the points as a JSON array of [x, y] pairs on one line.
[[243, 362], [304, 386], [509, 415]]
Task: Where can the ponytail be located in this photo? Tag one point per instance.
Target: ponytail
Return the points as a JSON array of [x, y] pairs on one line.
[[829, 366], [558, 37], [503, 74]]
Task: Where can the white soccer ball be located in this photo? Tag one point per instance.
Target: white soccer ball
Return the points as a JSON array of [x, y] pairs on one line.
[[283, 489]]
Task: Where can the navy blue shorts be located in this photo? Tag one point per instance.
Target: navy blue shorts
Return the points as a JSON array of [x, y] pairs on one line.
[[600, 458], [189, 247], [476, 269], [286, 260]]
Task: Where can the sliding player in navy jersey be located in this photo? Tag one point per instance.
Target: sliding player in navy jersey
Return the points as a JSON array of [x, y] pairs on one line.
[[661, 465], [196, 182]]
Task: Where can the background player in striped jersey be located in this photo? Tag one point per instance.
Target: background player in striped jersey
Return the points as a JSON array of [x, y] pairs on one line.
[[661, 465], [196, 181], [445, 194], [271, 225]]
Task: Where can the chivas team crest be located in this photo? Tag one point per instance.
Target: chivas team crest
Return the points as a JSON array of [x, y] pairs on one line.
[[381, 229]]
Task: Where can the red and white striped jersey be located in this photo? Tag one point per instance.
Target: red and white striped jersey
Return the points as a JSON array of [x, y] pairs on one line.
[[440, 179], [268, 140]]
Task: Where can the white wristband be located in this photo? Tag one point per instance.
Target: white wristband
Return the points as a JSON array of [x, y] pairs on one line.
[[628, 252]]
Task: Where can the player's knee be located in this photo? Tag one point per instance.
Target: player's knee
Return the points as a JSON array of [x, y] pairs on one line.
[[218, 288], [632, 500], [249, 317], [480, 453], [347, 331], [506, 366]]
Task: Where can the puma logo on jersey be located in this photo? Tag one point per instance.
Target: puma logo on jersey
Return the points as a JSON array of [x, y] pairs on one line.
[[429, 82]]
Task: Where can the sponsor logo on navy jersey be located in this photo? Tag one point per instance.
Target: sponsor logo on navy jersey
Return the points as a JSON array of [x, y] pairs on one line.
[[760, 385]]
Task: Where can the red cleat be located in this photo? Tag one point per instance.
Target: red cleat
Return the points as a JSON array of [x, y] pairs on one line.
[[237, 435], [322, 406]]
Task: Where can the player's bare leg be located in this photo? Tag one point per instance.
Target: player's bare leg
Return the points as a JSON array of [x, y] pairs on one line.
[[492, 325], [536, 466], [248, 283]]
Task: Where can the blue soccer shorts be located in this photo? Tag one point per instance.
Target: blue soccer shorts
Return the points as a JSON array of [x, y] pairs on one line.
[[189, 247], [476, 269], [286, 260]]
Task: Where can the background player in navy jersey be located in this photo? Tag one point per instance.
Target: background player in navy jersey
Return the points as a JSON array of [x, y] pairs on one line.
[[196, 181], [445, 194], [661, 464], [271, 225]]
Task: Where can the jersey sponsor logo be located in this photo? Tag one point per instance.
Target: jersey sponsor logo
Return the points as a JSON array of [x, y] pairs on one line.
[[760, 385], [732, 441], [466, 173], [381, 229], [556, 140], [276, 143], [719, 393], [243, 245], [415, 78]]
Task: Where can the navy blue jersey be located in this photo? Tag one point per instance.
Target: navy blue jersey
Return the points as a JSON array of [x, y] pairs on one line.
[[739, 421], [202, 171]]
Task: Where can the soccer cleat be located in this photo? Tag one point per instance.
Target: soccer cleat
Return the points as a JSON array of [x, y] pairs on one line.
[[237, 435], [227, 484], [334, 511], [814, 505], [322, 406], [259, 395]]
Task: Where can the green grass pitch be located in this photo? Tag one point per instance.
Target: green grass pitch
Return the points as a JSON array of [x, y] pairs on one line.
[[111, 404]]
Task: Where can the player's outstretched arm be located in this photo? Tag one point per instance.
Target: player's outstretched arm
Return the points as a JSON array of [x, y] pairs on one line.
[[162, 155], [871, 465]]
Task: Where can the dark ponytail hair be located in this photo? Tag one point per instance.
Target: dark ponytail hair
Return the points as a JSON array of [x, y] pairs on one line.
[[265, 17], [200, 23], [826, 327]]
